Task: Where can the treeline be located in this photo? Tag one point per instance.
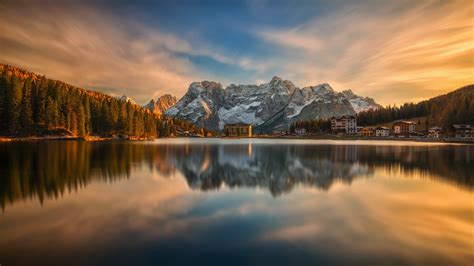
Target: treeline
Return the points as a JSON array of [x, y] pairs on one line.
[[27, 171], [179, 127], [456, 107], [32, 105], [316, 126]]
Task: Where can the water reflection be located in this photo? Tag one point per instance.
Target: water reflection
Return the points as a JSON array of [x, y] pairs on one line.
[[48, 170], [289, 204], [276, 168]]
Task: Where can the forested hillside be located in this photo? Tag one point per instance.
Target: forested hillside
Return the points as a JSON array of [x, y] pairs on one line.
[[445, 110], [31, 104]]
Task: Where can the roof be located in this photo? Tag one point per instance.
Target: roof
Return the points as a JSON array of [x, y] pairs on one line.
[[382, 128], [238, 124], [462, 126], [344, 116], [404, 122]]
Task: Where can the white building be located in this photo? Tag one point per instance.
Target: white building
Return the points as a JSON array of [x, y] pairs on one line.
[[346, 124], [462, 131], [300, 131], [434, 132], [382, 132]]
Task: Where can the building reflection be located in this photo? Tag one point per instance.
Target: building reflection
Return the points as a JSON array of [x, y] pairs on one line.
[[49, 169]]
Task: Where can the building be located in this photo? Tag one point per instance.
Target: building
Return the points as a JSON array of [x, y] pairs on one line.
[[238, 130], [382, 132], [367, 132], [279, 133], [346, 124], [462, 131], [300, 131], [434, 132], [404, 128]]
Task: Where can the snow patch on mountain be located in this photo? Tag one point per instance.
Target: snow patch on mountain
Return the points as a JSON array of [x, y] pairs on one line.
[[207, 104], [200, 104], [359, 103], [125, 98]]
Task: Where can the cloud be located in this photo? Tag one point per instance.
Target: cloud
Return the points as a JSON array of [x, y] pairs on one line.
[[391, 51], [91, 48], [373, 49]]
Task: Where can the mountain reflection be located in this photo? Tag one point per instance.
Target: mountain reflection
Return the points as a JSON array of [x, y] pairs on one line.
[[277, 168], [50, 169]]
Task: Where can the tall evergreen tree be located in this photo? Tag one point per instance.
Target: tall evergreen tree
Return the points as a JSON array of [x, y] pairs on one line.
[[13, 99], [26, 115], [52, 113], [81, 122], [3, 100]]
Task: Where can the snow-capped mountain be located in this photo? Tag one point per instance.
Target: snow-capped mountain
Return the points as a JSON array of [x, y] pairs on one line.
[[200, 104], [270, 106], [161, 104], [125, 98], [253, 104], [360, 103]]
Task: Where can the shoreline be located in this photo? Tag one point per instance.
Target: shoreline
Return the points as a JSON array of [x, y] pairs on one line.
[[315, 137], [68, 138], [333, 137]]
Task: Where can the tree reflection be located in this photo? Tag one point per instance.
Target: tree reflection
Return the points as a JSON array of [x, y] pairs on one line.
[[50, 169]]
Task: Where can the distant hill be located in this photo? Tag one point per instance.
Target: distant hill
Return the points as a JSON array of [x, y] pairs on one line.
[[33, 105], [456, 107]]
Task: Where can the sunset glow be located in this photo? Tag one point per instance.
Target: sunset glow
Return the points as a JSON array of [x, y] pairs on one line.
[[392, 51]]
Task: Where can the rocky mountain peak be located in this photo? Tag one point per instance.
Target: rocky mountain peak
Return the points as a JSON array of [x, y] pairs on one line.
[[278, 84], [161, 104], [276, 79], [275, 104], [348, 93], [125, 98], [196, 88], [322, 88], [360, 103], [167, 99]]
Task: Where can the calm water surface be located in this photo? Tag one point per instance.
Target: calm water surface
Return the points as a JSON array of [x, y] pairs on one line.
[[224, 202]]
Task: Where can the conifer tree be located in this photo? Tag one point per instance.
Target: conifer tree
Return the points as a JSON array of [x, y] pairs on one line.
[[3, 110], [26, 115], [13, 99], [81, 122]]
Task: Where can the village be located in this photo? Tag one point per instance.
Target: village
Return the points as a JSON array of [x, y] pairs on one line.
[[347, 126]]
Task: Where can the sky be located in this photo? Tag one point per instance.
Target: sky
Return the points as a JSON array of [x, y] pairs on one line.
[[392, 51]]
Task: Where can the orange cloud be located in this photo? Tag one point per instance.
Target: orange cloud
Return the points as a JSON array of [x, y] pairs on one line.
[[394, 53], [93, 49]]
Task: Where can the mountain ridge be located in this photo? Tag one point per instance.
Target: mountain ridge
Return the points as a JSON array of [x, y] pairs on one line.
[[161, 104], [208, 104]]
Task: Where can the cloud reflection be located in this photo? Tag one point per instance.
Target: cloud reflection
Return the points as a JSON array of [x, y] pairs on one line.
[[399, 207], [27, 171]]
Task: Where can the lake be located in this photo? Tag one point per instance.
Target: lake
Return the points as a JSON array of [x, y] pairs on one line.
[[232, 202]]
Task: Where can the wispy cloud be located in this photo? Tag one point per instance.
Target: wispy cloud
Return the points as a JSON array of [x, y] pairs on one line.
[[393, 51], [88, 47], [418, 48]]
